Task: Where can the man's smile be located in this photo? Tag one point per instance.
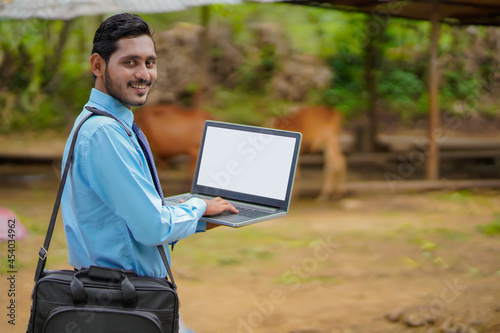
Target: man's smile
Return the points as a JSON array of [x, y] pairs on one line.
[[141, 86]]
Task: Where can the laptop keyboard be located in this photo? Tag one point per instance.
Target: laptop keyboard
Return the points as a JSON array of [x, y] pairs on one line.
[[250, 212], [243, 210]]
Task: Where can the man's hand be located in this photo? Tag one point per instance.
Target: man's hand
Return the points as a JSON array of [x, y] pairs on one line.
[[218, 205]]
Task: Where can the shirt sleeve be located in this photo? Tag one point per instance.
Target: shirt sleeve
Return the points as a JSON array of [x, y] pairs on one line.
[[116, 173], [202, 226]]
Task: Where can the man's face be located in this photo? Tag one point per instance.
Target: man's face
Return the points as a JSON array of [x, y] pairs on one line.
[[131, 71]]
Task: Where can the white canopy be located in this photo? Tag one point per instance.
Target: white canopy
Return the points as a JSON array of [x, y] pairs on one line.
[[68, 9]]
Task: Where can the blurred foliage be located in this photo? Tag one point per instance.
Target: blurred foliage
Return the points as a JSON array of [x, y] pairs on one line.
[[45, 77]]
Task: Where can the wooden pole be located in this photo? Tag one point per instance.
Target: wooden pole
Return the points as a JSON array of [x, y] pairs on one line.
[[371, 63], [432, 167]]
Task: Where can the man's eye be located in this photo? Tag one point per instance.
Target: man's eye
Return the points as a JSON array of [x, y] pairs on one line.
[[151, 63], [129, 62]]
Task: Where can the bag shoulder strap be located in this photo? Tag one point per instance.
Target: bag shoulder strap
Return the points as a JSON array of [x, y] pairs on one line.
[[42, 254]]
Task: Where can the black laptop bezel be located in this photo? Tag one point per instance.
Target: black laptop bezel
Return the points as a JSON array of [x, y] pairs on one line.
[[254, 199]]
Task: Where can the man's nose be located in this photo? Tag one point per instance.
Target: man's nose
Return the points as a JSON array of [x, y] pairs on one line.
[[143, 72]]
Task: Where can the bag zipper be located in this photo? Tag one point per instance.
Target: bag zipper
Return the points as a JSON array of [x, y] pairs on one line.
[[146, 315]]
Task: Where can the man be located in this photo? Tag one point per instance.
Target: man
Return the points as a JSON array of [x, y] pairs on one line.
[[112, 213]]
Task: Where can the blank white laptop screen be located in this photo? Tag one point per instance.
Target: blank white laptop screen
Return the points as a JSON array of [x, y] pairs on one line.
[[252, 163]]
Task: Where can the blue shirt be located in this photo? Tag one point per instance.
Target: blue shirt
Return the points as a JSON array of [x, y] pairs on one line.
[[112, 214]]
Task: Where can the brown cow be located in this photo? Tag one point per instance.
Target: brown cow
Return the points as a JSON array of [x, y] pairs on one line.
[[172, 130], [320, 127]]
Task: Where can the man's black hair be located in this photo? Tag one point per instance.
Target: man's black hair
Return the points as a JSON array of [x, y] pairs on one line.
[[116, 27]]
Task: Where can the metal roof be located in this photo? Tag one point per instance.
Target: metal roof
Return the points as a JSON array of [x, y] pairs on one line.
[[476, 12], [67, 9]]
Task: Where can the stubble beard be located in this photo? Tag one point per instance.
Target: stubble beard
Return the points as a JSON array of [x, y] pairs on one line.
[[114, 91]]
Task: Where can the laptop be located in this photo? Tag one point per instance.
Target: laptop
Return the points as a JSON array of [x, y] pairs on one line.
[[251, 167]]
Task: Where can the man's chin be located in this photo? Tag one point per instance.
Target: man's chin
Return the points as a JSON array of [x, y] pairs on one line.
[[136, 102]]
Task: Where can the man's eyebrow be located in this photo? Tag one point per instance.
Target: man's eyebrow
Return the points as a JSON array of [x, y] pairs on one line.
[[151, 57]]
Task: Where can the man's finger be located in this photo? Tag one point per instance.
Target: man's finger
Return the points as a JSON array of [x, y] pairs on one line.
[[232, 208]]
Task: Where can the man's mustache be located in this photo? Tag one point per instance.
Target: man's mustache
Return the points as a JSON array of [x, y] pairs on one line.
[[147, 82]]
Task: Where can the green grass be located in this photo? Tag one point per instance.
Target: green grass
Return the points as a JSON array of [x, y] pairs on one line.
[[462, 196], [243, 256], [420, 235], [295, 280], [34, 226], [492, 228], [450, 234]]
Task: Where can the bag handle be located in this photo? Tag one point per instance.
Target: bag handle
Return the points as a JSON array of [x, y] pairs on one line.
[[42, 254], [128, 290]]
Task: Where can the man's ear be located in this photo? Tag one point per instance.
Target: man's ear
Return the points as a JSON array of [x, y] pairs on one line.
[[97, 64]]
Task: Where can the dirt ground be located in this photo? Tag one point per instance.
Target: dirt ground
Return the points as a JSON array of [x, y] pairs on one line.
[[411, 262], [377, 262]]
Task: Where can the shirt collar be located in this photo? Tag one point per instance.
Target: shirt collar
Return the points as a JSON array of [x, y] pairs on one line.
[[107, 103]]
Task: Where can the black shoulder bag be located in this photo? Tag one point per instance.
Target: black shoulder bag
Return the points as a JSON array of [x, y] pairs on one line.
[[99, 299]]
